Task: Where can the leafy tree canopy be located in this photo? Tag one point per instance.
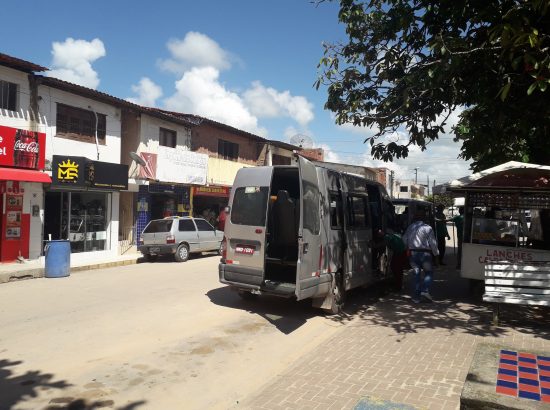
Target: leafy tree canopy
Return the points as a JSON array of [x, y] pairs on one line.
[[408, 64]]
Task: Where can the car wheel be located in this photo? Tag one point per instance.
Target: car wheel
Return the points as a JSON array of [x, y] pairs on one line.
[[182, 253]]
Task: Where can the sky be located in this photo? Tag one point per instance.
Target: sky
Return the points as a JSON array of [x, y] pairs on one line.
[[247, 63]]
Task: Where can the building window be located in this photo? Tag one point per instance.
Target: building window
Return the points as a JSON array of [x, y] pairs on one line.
[[78, 124], [8, 96], [167, 138], [404, 189], [228, 150]]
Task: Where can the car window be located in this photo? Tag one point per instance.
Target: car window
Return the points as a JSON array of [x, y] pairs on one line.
[[186, 225], [157, 226], [249, 206], [202, 225]]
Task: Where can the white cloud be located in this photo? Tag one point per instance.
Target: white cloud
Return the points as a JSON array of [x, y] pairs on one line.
[[200, 92], [268, 102], [195, 50], [329, 155], [72, 61], [147, 92]]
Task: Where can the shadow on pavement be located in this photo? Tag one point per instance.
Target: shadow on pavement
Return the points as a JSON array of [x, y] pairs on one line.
[[170, 258], [15, 390], [455, 308], [286, 315]]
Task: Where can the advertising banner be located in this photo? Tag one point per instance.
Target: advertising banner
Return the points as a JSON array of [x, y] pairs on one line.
[[180, 166], [149, 170], [81, 172], [14, 209], [22, 148]]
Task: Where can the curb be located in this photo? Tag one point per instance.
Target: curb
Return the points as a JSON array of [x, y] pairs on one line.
[[35, 273]]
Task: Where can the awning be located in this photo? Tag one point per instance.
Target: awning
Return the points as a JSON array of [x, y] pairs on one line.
[[27, 175]]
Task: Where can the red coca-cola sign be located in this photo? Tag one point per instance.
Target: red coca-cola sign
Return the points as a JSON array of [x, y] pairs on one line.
[[22, 148]]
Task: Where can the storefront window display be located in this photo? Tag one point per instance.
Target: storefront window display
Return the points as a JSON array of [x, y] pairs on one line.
[[80, 217]]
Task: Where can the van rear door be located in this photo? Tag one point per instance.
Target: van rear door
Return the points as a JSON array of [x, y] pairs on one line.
[[309, 233], [245, 227]]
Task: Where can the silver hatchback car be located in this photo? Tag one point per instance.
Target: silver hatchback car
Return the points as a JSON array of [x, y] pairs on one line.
[[179, 236]]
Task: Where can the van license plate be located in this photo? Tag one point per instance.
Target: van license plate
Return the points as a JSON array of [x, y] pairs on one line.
[[244, 249], [154, 250]]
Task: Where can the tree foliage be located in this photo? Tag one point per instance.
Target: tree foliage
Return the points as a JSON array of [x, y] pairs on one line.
[[408, 64]]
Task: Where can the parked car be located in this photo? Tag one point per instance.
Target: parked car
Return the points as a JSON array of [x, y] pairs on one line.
[[179, 236]]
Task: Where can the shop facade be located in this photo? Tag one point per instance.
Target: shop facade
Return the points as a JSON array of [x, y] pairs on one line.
[[81, 205], [209, 202], [22, 154]]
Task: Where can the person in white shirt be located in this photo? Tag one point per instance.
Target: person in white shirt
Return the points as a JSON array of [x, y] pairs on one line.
[[419, 238]]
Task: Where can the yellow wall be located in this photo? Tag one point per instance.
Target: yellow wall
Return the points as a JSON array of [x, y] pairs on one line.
[[222, 171]]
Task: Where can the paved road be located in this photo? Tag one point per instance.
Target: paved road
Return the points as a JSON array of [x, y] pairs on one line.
[[149, 336]]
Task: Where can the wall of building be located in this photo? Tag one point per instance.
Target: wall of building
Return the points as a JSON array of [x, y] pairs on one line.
[[21, 118], [222, 171], [110, 152], [205, 140], [150, 130]]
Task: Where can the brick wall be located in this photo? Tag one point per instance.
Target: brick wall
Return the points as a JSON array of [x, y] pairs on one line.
[[204, 139], [315, 154]]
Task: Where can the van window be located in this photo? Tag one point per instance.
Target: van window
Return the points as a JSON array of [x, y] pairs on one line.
[[202, 225], [311, 210], [249, 206], [357, 211], [335, 211], [157, 226], [186, 225]]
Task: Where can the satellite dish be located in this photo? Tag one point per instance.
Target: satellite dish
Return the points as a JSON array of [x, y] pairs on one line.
[[302, 141], [137, 158]]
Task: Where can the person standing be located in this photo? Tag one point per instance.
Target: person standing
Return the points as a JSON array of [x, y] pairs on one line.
[[459, 223], [441, 232], [421, 244]]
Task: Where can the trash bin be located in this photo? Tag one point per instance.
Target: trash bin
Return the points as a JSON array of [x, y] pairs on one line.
[[58, 258]]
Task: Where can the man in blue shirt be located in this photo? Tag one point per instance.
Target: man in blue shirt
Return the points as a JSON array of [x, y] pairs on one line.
[[421, 244]]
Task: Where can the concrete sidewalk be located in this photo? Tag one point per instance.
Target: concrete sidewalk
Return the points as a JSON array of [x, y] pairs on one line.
[[393, 354], [35, 268]]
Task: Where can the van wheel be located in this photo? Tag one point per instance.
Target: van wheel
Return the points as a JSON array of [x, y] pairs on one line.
[[338, 296], [246, 295], [182, 253]]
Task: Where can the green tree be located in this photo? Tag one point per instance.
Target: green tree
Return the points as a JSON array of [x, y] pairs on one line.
[[408, 64]]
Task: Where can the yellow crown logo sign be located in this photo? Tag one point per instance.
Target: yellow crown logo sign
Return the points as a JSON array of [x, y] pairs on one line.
[[67, 171]]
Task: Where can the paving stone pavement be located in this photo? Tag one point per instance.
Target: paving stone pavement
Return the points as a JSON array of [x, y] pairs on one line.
[[393, 350]]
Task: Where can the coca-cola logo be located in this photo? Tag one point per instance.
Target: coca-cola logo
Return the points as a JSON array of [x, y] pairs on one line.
[[27, 146]]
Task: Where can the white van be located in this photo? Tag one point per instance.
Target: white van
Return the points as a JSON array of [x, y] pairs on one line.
[[304, 231]]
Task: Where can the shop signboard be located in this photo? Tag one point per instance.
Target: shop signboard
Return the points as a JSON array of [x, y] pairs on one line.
[[180, 166], [106, 175], [219, 191], [81, 172], [22, 148]]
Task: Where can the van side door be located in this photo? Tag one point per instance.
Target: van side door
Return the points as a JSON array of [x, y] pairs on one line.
[[309, 231], [358, 255]]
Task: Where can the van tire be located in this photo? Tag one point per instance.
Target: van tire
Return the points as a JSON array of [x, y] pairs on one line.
[[182, 253], [245, 295], [338, 296]]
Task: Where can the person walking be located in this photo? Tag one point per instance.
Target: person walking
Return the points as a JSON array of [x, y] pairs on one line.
[[420, 241], [441, 232], [459, 223]]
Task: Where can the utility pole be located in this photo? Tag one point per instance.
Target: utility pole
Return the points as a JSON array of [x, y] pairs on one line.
[[391, 184], [416, 176], [428, 184]]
